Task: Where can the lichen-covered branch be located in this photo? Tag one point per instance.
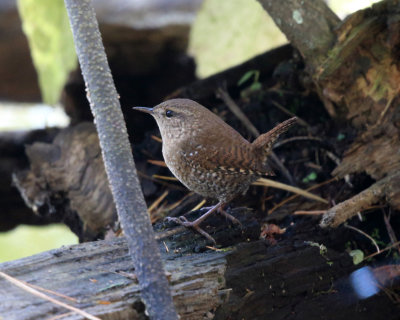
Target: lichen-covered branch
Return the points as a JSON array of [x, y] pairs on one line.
[[308, 25], [118, 160]]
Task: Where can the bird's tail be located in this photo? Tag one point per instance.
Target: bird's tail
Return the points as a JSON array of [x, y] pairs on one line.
[[265, 141]]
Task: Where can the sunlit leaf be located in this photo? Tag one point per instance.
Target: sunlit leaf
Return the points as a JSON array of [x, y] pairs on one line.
[[357, 255], [46, 26], [311, 177], [246, 77]]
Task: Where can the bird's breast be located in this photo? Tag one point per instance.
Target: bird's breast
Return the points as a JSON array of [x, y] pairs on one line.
[[210, 183]]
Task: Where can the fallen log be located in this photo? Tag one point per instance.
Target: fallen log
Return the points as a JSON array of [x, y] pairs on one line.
[[300, 277]]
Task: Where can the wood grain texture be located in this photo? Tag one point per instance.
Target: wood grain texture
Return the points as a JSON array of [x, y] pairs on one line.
[[249, 279]]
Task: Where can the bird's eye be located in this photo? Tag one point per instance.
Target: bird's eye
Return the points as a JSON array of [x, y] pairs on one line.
[[169, 113]]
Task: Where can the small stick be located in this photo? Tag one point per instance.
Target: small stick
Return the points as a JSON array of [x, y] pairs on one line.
[[350, 207], [284, 110], [199, 205], [275, 184], [155, 138], [292, 139], [365, 235], [383, 250], [157, 163], [390, 231], [169, 185], [49, 291], [156, 176], [157, 201], [311, 213], [226, 98], [283, 202], [37, 293]]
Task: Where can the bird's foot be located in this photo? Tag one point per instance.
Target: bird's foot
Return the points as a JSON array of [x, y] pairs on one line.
[[191, 224], [222, 212]]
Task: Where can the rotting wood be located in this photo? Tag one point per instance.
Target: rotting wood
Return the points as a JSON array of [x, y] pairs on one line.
[[356, 69], [248, 280], [385, 188], [67, 182]]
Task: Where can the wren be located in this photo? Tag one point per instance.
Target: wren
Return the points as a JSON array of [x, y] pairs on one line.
[[208, 156]]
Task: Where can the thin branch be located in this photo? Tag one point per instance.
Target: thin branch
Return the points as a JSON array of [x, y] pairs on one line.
[[350, 207], [286, 111], [293, 139], [35, 292], [278, 185], [283, 202], [309, 212], [226, 98], [365, 235], [118, 161], [383, 250]]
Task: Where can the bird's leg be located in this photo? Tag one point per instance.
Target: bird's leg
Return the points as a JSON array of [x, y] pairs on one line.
[[222, 212], [195, 224]]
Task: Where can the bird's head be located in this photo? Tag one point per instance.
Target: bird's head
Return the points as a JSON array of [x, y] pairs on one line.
[[178, 117]]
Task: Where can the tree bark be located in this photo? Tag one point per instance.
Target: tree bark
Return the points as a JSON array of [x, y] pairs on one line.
[[308, 25]]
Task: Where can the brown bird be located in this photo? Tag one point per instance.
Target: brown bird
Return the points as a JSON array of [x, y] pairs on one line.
[[208, 156]]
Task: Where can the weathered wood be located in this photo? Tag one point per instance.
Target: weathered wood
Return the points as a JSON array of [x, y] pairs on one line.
[[347, 209], [356, 70], [294, 279], [12, 158], [67, 182]]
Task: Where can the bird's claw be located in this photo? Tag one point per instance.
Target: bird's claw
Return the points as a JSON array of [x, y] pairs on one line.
[[183, 221]]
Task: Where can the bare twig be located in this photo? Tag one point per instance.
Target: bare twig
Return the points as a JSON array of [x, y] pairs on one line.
[[156, 176], [349, 208], [278, 185], [283, 202], [226, 98], [311, 213], [390, 231], [292, 139], [37, 293], [365, 235], [49, 291], [157, 163], [155, 138], [383, 250], [199, 205], [336, 160], [60, 316], [284, 110], [163, 183]]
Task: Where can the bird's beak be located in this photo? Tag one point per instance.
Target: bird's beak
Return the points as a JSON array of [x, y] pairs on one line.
[[144, 109]]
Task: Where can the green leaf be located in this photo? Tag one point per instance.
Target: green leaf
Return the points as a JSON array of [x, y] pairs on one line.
[[340, 137], [46, 25], [311, 177], [255, 86], [357, 255], [247, 76]]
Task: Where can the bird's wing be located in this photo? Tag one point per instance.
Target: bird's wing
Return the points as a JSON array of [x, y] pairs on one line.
[[228, 157]]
